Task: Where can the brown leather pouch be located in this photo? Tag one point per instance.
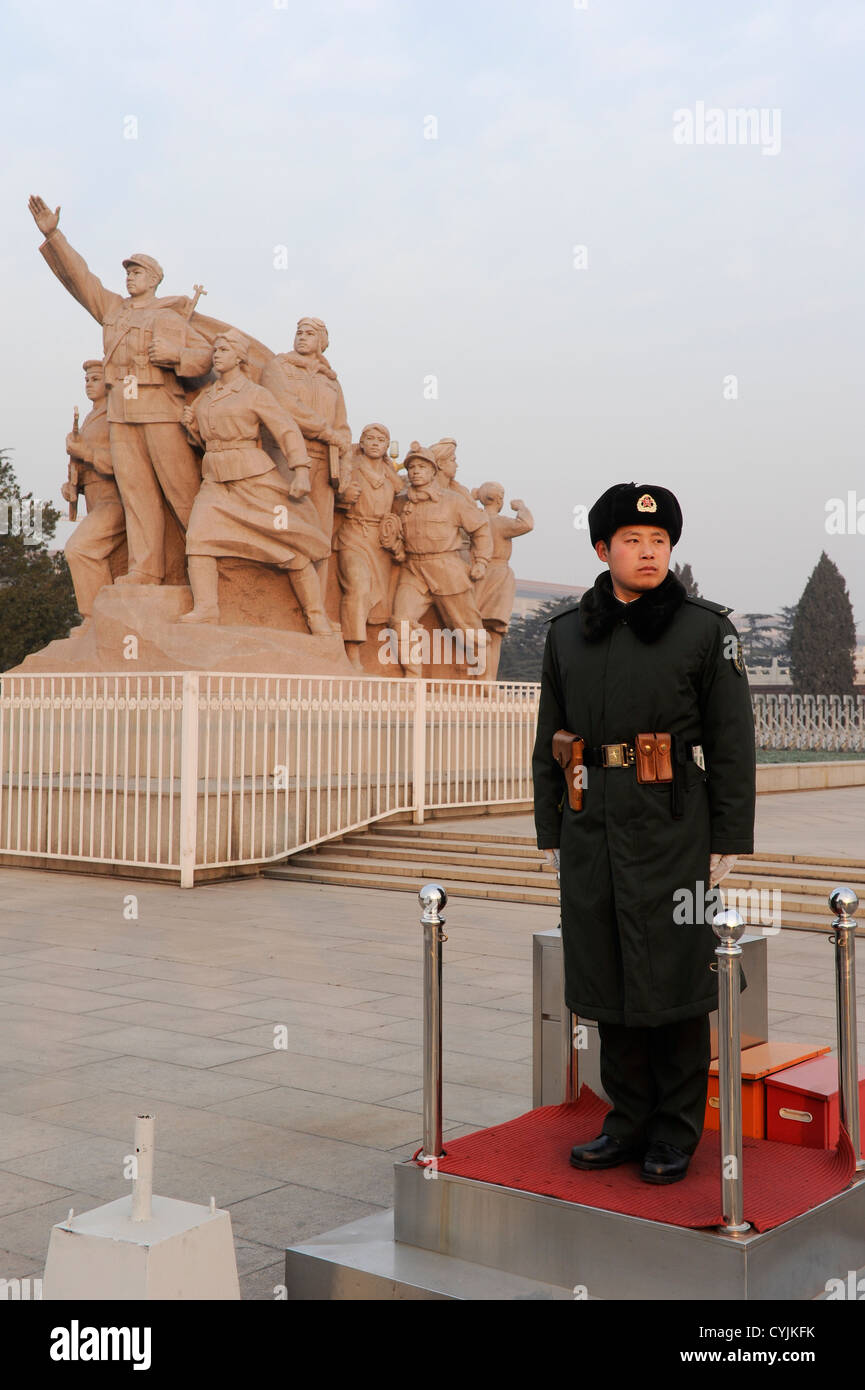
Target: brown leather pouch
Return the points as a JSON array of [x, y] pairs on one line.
[[664, 757], [568, 753], [654, 757]]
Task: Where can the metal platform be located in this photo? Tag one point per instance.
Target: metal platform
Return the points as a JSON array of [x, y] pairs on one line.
[[457, 1238]]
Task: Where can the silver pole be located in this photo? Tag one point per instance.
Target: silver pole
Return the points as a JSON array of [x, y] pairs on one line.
[[432, 897], [570, 1024], [844, 902], [728, 927], [570, 1059]]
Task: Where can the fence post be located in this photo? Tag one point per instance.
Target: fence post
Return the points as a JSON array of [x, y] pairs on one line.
[[418, 762], [188, 778]]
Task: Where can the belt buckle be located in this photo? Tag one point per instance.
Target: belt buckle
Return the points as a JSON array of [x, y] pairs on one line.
[[617, 755]]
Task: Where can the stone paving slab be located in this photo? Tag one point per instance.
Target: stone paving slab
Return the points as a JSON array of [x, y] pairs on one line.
[[175, 1012]]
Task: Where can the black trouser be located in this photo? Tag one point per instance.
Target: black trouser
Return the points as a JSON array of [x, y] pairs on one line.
[[656, 1079]]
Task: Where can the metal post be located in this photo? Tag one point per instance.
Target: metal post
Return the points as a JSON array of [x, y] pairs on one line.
[[570, 1024], [728, 927], [188, 778], [844, 902], [418, 761], [432, 897], [142, 1182], [570, 1059]]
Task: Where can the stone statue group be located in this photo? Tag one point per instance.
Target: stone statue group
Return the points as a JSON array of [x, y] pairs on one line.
[[202, 445]]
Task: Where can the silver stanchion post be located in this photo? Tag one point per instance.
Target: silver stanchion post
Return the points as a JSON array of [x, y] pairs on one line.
[[728, 927], [570, 1057], [844, 902], [432, 898], [570, 1024]]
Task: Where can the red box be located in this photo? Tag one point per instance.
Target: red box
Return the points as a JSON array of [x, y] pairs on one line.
[[757, 1065], [803, 1105]]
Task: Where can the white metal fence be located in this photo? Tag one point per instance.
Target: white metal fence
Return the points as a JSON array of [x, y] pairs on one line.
[[188, 772], [828, 723], [202, 771]]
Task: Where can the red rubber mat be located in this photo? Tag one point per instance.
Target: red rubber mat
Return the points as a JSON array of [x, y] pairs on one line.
[[532, 1152]]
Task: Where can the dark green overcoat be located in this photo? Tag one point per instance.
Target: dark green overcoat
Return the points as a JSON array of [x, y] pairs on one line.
[[663, 663]]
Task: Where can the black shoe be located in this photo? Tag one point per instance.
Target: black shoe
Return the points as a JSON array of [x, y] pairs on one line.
[[604, 1152], [664, 1163]]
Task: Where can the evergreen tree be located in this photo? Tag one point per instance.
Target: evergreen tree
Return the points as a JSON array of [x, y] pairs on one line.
[[685, 577], [823, 637], [37, 600], [523, 646]]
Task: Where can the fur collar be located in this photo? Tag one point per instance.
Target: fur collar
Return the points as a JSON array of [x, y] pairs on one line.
[[309, 363], [648, 616]]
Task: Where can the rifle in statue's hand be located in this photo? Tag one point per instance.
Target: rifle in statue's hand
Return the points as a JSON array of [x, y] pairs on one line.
[[73, 471]]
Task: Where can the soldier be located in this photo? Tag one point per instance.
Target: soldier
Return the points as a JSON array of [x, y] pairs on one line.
[[363, 567], [652, 680], [433, 574], [305, 384], [495, 593], [243, 496], [445, 454], [149, 346], [94, 551]]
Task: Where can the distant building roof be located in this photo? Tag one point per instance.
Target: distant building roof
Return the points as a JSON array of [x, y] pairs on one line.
[[532, 593]]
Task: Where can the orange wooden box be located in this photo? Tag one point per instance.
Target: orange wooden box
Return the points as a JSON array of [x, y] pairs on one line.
[[757, 1063]]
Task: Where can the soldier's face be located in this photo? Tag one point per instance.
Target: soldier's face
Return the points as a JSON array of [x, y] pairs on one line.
[[94, 384], [448, 464], [305, 339], [138, 279], [638, 557], [374, 445], [419, 472], [224, 357]]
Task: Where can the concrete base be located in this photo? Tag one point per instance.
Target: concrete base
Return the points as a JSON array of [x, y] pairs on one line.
[[458, 1238], [184, 1252], [135, 628]]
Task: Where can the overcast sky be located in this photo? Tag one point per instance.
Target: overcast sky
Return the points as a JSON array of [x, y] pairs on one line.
[[708, 338]]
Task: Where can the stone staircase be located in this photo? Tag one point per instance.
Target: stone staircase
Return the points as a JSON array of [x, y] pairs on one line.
[[509, 868]]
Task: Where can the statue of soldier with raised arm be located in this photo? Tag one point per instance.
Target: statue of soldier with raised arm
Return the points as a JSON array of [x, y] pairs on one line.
[[150, 347]]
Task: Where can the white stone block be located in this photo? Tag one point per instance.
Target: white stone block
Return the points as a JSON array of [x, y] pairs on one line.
[[184, 1251]]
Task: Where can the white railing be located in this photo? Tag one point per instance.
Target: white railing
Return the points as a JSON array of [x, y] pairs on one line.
[[203, 771], [828, 723]]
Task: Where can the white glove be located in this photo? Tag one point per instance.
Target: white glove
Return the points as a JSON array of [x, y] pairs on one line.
[[719, 867], [553, 858]]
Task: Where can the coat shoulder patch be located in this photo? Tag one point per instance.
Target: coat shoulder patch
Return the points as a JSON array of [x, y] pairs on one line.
[[709, 606]]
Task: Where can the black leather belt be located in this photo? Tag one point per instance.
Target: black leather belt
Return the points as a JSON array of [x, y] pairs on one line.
[[622, 755]]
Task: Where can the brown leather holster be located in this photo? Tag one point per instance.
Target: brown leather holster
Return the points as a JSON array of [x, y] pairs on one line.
[[653, 757], [568, 753]]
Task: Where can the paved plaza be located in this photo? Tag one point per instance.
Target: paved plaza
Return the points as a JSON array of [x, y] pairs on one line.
[[178, 1013]]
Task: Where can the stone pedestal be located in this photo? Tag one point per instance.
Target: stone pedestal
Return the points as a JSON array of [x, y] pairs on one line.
[[184, 1251], [135, 628]]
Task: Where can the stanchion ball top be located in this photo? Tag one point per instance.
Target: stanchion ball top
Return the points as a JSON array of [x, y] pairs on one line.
[[432, 898], [843, 901], [728, 926]]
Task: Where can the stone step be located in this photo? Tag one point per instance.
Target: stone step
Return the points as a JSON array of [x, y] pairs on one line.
[[410, 853], [412, 885], [795, 913], [424, 866]]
